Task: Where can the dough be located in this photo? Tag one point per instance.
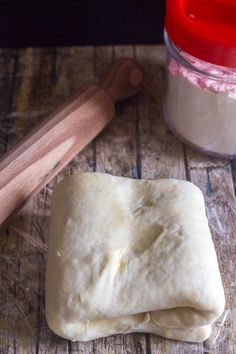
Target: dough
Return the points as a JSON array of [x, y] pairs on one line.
[[131, 256]]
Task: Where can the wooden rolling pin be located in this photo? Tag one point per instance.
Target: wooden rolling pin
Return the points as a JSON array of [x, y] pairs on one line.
[[27, 168]]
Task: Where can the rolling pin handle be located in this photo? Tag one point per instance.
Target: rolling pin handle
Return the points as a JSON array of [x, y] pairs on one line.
[[123, 79]]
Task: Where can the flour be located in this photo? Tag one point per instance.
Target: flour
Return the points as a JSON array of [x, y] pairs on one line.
[[201, 109]]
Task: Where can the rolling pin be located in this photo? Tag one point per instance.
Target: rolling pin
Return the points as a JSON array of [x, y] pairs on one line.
[[27, 168]]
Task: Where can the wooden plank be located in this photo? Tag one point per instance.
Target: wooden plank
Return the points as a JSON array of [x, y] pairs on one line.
[[75, 66], [197, 159], [233, 167], [7, 76], [216, 178], [161, 154], [116, 154], [30, 103], [116, 146], [217, 186], [101, 57], [34, 78], [8, 262]]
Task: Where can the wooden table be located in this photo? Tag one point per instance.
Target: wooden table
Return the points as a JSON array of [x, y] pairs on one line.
[[136, 144]]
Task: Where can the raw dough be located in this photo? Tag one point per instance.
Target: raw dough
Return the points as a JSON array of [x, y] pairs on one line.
[[131, 256]]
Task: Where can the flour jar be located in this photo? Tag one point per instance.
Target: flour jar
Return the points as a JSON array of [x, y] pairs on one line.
[[200, 103]]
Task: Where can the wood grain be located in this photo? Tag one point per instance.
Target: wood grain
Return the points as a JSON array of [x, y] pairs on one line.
[[8, 246], [233, 167], [215, 177], [161, 153], [217, 186], [7, 78], [136, 144]]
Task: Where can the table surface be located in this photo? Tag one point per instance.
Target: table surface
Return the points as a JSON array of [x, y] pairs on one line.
[[136, 144]]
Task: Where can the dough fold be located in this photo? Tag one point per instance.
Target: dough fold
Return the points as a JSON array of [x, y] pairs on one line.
[[131, 256]]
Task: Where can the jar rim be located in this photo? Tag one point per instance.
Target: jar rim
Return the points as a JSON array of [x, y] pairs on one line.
[[177, 53]]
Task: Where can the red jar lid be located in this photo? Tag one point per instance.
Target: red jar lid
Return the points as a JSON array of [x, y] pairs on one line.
[[205, 29]]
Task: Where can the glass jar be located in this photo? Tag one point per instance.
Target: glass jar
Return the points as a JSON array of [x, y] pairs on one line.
[[200, 102]]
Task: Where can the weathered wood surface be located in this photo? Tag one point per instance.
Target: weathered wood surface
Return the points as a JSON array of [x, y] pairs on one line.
[[137, 144]]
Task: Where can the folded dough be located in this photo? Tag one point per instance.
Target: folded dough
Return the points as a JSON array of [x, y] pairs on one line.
[[131, 256]]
